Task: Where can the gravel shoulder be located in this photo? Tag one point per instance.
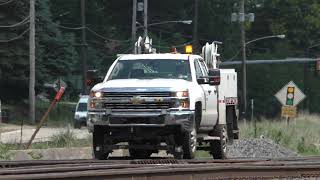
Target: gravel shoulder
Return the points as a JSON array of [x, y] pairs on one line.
[[258, 148]]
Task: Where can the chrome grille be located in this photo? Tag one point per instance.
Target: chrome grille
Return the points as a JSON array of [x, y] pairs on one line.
[[163, 105], [132, 94], [123, 100]]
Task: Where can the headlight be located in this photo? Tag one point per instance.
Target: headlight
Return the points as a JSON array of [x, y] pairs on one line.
[[182, 103], [96, 94], [181, 94]]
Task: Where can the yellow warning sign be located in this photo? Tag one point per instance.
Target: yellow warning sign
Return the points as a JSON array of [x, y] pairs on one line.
[[289, 111]]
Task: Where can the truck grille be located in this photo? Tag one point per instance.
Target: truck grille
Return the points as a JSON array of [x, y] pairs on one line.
[[163, 105], [127, 96], [132, 94]]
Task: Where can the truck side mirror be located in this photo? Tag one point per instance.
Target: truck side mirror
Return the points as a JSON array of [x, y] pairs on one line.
[[202, 80], [214, 77]]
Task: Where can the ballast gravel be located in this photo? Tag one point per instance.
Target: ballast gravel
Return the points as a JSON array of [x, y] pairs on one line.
[[258, 148]]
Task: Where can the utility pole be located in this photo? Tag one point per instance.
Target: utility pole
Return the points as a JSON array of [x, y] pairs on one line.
[[32, 57], [134, 21], [145, 17], [84, 47], [195, 25], [244, 65]]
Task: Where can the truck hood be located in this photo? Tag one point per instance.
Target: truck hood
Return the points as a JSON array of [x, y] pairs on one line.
[[143, 84]]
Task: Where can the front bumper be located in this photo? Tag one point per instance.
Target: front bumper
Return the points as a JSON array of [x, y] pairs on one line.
[[141, 118]]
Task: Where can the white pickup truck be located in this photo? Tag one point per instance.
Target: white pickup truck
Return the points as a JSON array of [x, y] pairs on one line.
[[172, 102]]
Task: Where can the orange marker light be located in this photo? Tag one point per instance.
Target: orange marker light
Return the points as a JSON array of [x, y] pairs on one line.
[[188, 49]]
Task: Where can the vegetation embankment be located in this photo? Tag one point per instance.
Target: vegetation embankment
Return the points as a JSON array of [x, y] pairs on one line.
[[301, 135]]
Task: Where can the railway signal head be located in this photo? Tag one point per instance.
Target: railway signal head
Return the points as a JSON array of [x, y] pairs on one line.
[[290, 96]]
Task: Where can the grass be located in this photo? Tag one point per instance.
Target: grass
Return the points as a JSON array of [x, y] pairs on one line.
[[302, 135], [65, 139], [4, 152]]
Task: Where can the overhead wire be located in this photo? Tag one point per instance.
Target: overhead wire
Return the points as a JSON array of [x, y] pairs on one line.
[[121, 52], [15, 38], [24, 21], [71, 28], [105, 38], [178, 45], [7, 2], [92, 31], [230, 59]]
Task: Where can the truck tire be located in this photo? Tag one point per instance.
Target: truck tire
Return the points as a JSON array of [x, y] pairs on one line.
[[230, 125], [98, 143], [219, 147], [77, 124], [189, 143]]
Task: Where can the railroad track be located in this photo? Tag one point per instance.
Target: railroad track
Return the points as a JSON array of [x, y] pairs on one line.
[[163, 169]]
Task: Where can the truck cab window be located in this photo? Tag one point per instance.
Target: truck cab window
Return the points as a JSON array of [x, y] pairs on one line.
[[198, 70], [203, 67]]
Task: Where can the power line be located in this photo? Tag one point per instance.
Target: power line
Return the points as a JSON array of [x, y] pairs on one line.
[[230, 59], [4, 3], [122, 52], [15, 38], [90, 30], [70, 28], [179, 45], [24, 21], [105, 38]]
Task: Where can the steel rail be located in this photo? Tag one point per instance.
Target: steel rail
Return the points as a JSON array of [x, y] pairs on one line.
[[126, 160], [182, 172], [5, 164]]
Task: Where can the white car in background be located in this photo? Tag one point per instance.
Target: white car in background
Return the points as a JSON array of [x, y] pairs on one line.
[[81, 113]]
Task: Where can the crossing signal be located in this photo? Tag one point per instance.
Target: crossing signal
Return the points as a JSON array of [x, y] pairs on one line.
[[290, 96]]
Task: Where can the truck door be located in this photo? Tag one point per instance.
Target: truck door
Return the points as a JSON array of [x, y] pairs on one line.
[[210, 114]]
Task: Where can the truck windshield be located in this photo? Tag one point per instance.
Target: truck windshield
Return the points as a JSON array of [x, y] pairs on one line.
[[151, 69]]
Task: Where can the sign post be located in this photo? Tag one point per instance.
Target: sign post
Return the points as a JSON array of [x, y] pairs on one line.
[[44, 118], [289, 96]]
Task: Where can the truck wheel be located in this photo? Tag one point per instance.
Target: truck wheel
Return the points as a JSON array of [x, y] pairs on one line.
[[229, 119], [219, 147], [189, 144], [77, 124], [98, 144]]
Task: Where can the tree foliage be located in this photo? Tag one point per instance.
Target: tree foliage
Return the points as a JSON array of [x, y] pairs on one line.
[[108, 28]]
